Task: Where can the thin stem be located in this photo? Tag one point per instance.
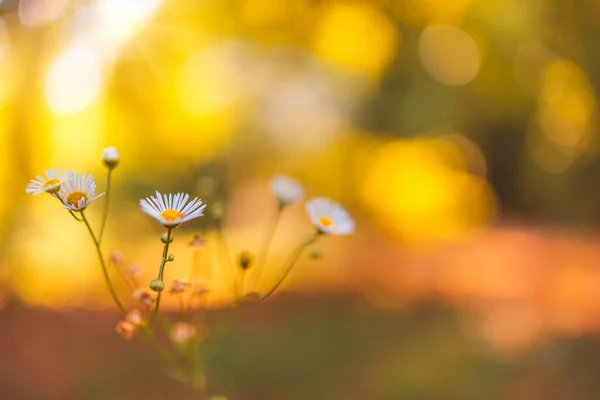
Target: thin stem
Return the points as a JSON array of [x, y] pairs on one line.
[[165, 356], [225, 249], [106, 203], [130, 283], [293, 261], [64, 203], [183, 309], [243, 282], [262, 258], [75, 216], [102, 263], [161, 269]]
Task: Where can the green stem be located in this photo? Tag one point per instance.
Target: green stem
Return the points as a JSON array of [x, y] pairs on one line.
[[75, 216], [102, 263], [161, 269], [165, 356], [262, 258], [106, 203], [225, 249], [293, 261]]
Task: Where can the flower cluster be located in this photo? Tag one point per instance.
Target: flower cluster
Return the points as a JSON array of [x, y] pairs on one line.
[[76, 191]]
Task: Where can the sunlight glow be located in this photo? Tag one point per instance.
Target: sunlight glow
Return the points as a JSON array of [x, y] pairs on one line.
[[120, 18], [73, 81]]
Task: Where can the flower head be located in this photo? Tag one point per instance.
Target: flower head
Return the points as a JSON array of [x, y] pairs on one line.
[[197, 242], [286, 190], [171, 211], [133, 270], [182, 333], [329, 217], [78, 191], [135, 317], [126, 329], [116, 257], [51, 184], [179, 286], [145, 296], [110, 157]]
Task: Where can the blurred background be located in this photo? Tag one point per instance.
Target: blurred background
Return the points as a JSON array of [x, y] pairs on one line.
[[462, 135]]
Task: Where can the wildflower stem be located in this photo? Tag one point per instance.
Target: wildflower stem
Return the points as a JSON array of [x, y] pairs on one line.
[[102, 263], [262, 258], [165, 356], [106, 203], [75, 216], [163, 262], [293, 261], [225, 249]]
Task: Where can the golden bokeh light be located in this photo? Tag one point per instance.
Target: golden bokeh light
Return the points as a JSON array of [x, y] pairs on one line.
[[209, 83], [566, 104], [117, 20], [356, 36], [59, 272], [449, 54], [420, 190], [565, 116]]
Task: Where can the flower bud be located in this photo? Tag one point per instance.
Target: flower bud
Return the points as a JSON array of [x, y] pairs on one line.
[[179, 286], [315, 254], [245, 260], [110, 157], [125, 329], [171, 258], [145, 296], [157, 285], [286, 190], [163, 238], [197, 242], [135, 317]]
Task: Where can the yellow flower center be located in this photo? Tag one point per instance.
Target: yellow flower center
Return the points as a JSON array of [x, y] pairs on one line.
[[325, 221], [50, 183], [171, 215], [74, 197]]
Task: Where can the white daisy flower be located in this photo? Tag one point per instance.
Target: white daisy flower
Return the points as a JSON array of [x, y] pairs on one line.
[[51, 184], [286, 190], [171, 211], [78, 191], [329, 217]]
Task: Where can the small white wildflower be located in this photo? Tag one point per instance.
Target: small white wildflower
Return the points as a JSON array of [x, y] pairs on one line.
[[78, 191], [51, 184], [329, 217], [286, 190], [171, 211]]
